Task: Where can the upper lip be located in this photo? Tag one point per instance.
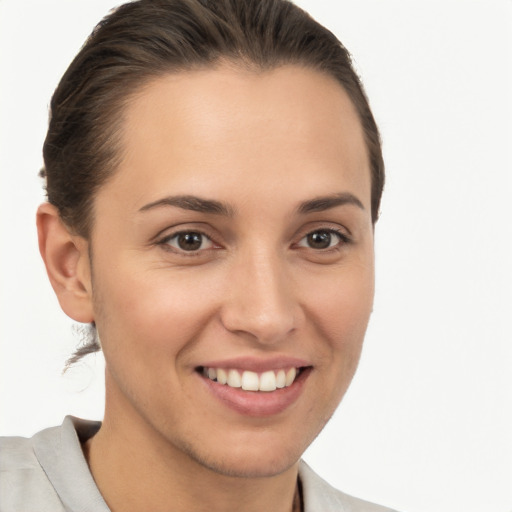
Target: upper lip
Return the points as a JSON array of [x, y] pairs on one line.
[[258, 365]]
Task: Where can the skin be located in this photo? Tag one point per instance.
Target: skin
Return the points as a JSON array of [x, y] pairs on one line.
[[261, 143]]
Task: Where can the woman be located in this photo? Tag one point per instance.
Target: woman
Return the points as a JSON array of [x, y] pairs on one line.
[[214, 176]]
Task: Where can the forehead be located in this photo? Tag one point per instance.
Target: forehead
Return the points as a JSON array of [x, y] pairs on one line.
[[234, 127]]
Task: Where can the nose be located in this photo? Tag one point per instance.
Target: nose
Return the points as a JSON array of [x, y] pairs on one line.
[[260, 301]]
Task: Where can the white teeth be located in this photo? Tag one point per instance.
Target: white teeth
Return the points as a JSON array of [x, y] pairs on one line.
[[222, 376], [290, 376], [252, 381], [234, 379], [281, 379], [268, 381]]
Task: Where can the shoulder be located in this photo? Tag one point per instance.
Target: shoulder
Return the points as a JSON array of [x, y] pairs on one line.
[[48, 472], [23, 483], [17, 453], [319, 496]]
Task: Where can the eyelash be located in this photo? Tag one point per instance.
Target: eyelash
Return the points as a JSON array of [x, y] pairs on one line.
[[342, 237], [165, 242]]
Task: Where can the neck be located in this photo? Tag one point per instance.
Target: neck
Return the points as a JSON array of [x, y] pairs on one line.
[[137, 469]]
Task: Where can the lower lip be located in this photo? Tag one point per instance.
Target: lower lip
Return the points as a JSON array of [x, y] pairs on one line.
[[258, 403]]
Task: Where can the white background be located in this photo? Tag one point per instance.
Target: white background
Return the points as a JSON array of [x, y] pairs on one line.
[[427, 423]]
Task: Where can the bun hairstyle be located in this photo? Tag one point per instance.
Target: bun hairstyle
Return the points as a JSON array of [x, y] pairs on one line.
[[145, 39]]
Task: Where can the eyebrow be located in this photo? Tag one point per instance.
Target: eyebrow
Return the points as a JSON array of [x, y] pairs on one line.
[[194, 203], [320, 204], [199, 204]]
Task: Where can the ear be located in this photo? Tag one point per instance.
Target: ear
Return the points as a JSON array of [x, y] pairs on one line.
[[66, 257]]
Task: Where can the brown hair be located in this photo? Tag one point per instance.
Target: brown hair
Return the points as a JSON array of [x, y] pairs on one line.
[[142, 40]]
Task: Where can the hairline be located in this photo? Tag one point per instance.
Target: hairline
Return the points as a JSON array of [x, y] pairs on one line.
[[238, 64]]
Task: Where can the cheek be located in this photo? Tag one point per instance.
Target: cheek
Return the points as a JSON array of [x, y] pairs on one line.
[[343, 303], [340, 310], [151, 312]]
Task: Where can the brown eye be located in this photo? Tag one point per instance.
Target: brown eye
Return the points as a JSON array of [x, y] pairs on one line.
[[189, 241], [321, 239]]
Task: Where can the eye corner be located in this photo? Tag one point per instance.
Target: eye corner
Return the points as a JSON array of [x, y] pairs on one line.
[[323, 241], [187, 242]]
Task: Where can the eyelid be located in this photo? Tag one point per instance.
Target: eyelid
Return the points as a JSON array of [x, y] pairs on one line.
[[170, 232], [165, 235], [185, 225], [333, 227], [342, 237], [336, 234], [166, 241]]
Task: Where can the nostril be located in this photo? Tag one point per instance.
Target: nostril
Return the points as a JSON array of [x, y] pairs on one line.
[[261, 305], [267, 328]]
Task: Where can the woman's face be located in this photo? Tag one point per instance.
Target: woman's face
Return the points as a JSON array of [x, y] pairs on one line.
[[234, 242]]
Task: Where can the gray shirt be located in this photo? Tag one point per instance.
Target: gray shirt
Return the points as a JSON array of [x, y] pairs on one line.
[[49, 473]]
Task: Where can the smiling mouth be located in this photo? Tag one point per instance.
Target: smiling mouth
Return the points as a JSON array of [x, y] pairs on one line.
[[247, 380]]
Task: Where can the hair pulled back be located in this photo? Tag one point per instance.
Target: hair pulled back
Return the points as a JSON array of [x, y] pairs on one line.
[[145, 39]]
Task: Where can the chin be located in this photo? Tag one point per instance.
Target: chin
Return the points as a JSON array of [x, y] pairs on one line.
[[242, 461], [246, 468]]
